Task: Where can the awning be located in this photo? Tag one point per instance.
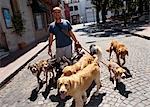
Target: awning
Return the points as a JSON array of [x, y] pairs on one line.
[[38, 7]]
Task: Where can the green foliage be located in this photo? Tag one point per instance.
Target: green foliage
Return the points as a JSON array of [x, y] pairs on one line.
[[18, 24], [97, 3], [115, 4]]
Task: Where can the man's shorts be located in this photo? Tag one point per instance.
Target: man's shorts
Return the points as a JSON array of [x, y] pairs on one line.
[[65, 51]]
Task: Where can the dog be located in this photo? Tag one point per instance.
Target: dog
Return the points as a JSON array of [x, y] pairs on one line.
[[76, 85], [76, 56], [96, 50], [79, 65], [42, 66], [120, 50], [86, 59], [116, 72]]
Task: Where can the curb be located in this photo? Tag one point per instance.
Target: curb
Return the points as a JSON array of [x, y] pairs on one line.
[[142, 36], [6, 80], [134, 34]]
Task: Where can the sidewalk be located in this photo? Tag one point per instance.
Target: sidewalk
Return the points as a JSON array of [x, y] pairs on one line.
[[8, 71], [144, 33]]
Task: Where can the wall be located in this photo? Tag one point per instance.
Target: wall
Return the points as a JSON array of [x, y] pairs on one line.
[[30, 35], [11, 37], [26, 11]]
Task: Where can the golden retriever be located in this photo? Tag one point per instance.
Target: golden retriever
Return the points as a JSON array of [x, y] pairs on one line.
[[95, 51], [120, 50], [82, 63], [116, 72], [76, 85]]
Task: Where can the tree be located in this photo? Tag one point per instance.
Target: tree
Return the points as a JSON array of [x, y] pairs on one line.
[[97, 5], [104, 11], [100, 5]]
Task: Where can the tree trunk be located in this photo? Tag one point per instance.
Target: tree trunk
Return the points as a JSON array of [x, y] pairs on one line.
[[104, 5], [97, 16], [141, 7], [103, 15]]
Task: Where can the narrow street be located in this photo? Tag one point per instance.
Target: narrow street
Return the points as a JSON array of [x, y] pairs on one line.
[[133, 92]]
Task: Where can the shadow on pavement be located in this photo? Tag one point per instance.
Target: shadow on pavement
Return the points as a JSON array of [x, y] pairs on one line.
[[48, 89], [122, 89], [114, 28], [56, 98], [90, 42], [34, 93], [127, 73], [95, 100]]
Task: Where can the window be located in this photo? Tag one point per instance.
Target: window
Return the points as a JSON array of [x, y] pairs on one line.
[[75, 8], [39, 21], [71, 1], [76, 1], [71, 8]]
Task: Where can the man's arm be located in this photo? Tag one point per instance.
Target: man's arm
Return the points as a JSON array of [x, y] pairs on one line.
[[76, 42], [73, 36], [50, 42]]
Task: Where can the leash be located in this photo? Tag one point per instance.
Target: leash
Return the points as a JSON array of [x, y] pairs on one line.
[[93, 57], [86, 50], [88, 53]]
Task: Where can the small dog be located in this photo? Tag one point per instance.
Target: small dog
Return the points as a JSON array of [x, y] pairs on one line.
[[116, 72], [76, 85], [42, 66], [96, 50], [120, 50]]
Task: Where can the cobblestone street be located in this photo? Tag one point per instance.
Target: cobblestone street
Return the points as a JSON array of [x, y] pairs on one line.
[[132, 92]]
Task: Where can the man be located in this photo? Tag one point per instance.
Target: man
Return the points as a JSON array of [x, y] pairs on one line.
[[62, 30]]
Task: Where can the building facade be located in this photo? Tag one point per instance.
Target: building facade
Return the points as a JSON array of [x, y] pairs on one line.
[[80, 11], [74, 6], [23, 22], [87, 11]]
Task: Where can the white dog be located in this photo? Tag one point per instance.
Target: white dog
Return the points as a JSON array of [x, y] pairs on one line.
[[96, 50]]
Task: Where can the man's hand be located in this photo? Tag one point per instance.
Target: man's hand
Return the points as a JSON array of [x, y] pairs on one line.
[[77, 46]]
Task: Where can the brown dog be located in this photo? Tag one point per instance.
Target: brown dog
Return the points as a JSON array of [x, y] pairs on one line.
[[77, 84], [120, 50], [39, 67], [95, 51], [82, 63], [116, 72]]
